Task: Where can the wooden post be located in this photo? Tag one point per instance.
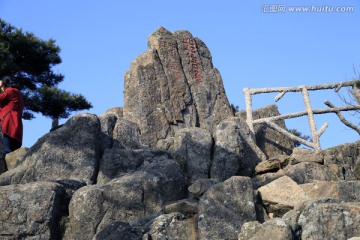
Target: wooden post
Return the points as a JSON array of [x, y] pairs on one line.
[[315, 144], [311, 119], [249, 113]]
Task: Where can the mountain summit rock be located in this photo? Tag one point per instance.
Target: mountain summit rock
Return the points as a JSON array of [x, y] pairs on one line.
[[174, 85]]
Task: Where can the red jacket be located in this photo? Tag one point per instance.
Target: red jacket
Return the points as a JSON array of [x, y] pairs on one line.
[[11, 109]]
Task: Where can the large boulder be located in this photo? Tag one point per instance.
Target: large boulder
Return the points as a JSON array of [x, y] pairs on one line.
[[282, 195], [304, 172], [274, 229], [270, 141], [72, 151], [126, 199], [235, 153], [200, 186], [346, 158], [174, 85], [347, 191], [107, 122], [173, 226], [228, 151], [118, 230], [273, 164], [30, 211], [232, 201], [325, 219], [192, 148], [117, 161], [15, 158], [118, 132]]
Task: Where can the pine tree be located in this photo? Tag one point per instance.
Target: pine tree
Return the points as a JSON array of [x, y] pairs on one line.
[[29, 60]]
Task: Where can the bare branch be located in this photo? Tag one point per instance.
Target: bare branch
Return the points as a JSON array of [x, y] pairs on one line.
[[289, 135], [342, 118]]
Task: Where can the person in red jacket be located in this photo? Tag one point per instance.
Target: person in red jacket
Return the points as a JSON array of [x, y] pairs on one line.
[[11, 110]]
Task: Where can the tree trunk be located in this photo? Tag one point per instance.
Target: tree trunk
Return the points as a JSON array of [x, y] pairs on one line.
[[54, 123]]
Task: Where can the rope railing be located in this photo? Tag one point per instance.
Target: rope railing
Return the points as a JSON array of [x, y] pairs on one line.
[[315, 134]]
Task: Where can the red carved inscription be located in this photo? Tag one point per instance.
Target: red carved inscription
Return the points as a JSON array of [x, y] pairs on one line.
[[194, 61]]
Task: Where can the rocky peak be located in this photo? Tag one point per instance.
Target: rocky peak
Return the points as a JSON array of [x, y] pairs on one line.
[[93, 178], [174, 85]]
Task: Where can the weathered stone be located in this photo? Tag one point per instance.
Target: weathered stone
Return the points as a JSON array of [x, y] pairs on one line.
[[172, 226], [252, 153], [270, 141], [321, 189], [231, 201], [300, 151], [184, 206], [263, 179], [108, 121], [274, 229], [200, 186], [304, 155], [192, 149], [116, 162], [282, 195], [357, 169], [347, 191], [70, 187], [346, 157], [15, 158], [326, 219], [228, 152], [118, 132], [127, 135], [173, 85], [301, 173], [125, 199], [118, 230], [70, 152], [30, 211], [272, 164], [306, 172], [235, 153], [115, 111]]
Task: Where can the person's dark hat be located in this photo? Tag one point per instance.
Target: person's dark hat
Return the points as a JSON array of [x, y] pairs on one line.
[[6, 80]]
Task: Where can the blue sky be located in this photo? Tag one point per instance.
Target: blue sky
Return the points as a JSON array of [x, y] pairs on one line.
[[252, 45]]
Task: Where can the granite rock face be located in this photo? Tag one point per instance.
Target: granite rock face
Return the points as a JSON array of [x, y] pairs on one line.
[[117, 162], [175, 163], [325, 218], [282, 195], [271, 142], [70, 152], [174, 85], [192, 148], [30, 211], [126, 198], [274, 229], [235, 153], [232, 201], [172, 226]]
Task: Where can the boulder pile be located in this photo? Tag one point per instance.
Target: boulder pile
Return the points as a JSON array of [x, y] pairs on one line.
[[176, 163]]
